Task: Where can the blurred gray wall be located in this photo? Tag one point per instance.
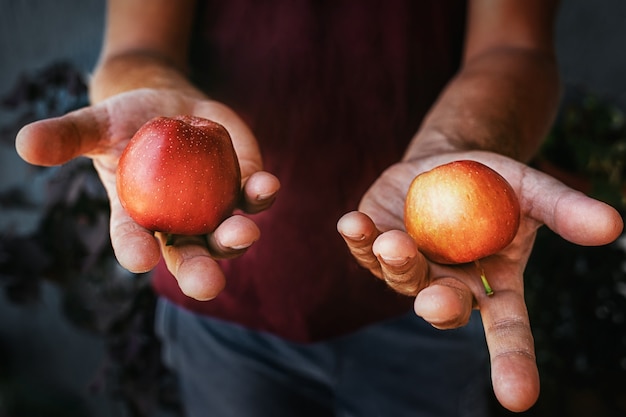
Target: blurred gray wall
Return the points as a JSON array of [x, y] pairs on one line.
[[34, 33], [591, 46]]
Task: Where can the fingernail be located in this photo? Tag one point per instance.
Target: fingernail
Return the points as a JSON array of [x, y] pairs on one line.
[[356, 238], [240, 247], [391, 261]]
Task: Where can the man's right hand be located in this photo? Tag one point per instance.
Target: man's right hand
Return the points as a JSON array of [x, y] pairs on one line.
[[102, 131]]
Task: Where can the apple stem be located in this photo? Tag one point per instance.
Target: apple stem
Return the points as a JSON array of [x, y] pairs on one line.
[[483, 278]]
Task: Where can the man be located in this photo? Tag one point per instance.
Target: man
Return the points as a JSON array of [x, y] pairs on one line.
[[336, 95]]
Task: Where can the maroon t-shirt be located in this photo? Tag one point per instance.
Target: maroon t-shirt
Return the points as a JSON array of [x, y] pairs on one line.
[[334, 91]]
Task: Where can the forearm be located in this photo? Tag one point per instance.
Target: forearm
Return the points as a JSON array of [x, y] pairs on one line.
[[145, 46], [503, 100]]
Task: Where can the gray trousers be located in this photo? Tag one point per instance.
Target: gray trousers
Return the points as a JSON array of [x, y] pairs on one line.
[[401, 367]]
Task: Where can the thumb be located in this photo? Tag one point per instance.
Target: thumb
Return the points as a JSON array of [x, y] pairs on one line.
[[57, 140], [574, 216]]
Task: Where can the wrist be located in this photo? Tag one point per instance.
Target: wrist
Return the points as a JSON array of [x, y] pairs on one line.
[[503, 101], [131, 71], [431, 141]]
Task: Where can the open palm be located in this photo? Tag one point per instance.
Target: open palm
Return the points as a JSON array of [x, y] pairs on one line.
[[102, 131], [445, 295]]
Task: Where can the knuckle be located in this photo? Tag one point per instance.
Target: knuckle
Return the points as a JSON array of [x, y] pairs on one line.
[[406, 284], [512, 336]]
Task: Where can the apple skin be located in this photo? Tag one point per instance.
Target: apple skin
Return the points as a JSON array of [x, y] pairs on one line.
[[461, 212], [179, 175]]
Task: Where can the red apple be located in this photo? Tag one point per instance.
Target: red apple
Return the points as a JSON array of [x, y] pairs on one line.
[[461, 212], [179, 175]]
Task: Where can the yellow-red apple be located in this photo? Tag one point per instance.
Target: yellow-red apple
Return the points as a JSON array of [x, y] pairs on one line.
[[461, 212]]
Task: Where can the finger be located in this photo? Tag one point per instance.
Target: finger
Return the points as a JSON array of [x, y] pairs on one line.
[[402, 266], [571, 214], [359, 233], [243, 139], [259, 192], [446, 303], [135, 247], [57, 140], [513, 364], [199, 276], [233, 237]]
